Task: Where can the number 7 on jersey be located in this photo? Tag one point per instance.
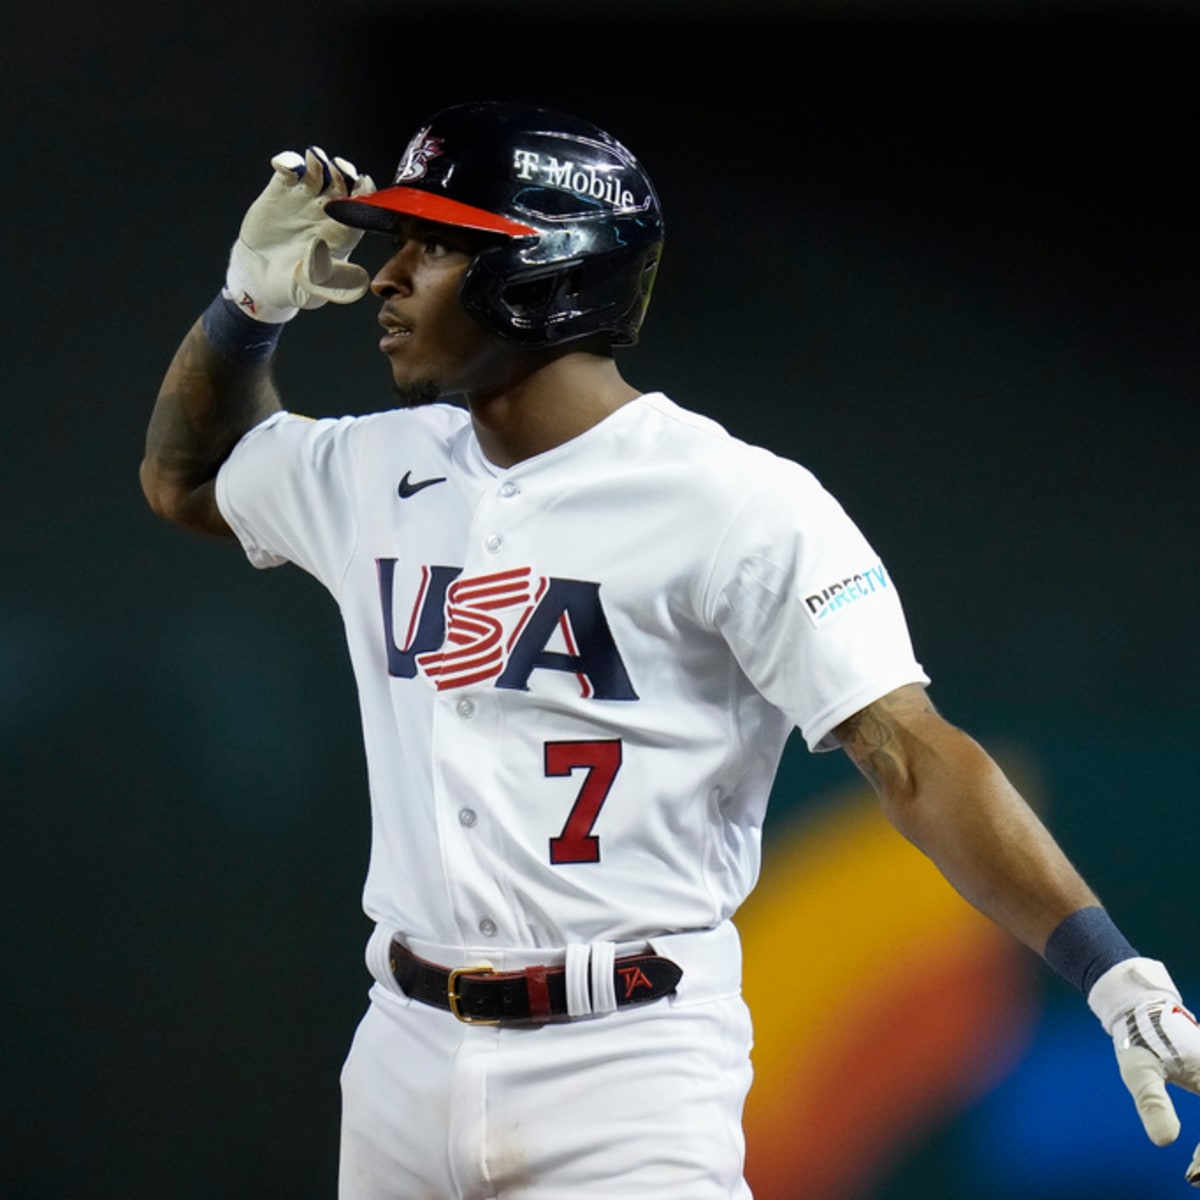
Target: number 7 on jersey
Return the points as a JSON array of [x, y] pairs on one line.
[[601, 761]]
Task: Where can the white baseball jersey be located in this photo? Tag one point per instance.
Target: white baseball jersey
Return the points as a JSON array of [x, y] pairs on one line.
[[577, 674]]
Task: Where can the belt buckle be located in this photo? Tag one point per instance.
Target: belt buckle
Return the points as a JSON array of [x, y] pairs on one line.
[[453, 996]]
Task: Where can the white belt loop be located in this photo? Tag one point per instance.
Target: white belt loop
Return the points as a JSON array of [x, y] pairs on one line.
[[579, 1003], [379, 958], [604, 993]]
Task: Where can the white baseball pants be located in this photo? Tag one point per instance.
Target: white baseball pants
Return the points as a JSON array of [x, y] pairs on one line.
[[644, 1103]]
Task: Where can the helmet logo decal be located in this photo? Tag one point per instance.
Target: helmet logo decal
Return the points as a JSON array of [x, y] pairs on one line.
[[416, 158], [583, 179]]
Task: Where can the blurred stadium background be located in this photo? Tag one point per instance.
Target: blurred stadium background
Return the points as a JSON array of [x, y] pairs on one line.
[[947, 259]]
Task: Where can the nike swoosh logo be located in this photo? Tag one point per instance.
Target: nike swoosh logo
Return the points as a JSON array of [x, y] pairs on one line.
[[409, 488]]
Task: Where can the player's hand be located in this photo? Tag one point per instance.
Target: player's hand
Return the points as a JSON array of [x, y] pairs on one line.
[[289, 255], [1157, 1042]]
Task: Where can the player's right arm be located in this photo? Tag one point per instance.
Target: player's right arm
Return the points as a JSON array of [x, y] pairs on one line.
[[204, 406], [289, 255]]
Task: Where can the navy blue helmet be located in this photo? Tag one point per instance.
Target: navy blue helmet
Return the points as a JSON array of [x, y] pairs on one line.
[[579, 223]]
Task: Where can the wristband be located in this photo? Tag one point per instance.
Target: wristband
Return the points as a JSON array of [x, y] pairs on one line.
[[237, 337], [1085, 945]]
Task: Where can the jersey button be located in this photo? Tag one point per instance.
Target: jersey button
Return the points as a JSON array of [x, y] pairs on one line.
[[493, 542], [487, 927], [465, 707], [467, 817], [508, 490]]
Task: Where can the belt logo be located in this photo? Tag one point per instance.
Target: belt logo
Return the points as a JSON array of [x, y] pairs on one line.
[[633, 978]]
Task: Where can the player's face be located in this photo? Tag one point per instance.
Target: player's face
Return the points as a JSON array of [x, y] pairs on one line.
[[434, 347]]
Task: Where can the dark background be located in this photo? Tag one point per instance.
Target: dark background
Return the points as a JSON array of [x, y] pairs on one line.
[[947, 260]]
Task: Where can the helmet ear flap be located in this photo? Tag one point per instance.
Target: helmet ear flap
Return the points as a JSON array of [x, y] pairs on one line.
[[532, 297], [542, 306], [529, 306], [540, 299]]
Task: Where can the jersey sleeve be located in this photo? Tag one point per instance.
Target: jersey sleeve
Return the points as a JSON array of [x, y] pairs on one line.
[[807, 605], [285, 492]]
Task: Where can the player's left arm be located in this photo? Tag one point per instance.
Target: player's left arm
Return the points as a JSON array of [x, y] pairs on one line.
[[947, 796]]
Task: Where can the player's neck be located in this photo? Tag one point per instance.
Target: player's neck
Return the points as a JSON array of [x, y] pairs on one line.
[[562, 399]]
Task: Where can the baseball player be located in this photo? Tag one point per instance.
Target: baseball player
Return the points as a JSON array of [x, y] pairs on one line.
[[583, 622]]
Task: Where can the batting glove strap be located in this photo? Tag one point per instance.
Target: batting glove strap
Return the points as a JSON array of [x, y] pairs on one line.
[[1156, 1039], [1124, 987], [289, 255]]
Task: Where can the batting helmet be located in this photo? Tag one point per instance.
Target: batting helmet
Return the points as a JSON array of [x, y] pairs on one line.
[[580, 220]]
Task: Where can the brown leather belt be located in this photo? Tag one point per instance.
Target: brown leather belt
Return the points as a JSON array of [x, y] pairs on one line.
[[482, 996]]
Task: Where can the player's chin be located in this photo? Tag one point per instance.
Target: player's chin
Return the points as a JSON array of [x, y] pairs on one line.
[[413, 393]]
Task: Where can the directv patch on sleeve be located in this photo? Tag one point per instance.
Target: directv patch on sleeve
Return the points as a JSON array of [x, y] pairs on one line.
[[845, 593]]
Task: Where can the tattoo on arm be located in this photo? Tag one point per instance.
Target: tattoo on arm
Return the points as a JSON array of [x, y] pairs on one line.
[[204, 406], [869, 737]]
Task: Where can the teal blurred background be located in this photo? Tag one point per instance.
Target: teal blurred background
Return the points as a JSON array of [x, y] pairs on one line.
[[947, 260]]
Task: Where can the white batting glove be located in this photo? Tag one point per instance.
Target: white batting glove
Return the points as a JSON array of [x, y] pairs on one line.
[[289, 255], [1157, 1042]]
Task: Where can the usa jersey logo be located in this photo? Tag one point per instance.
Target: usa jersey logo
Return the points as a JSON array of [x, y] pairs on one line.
[[500, 628]]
